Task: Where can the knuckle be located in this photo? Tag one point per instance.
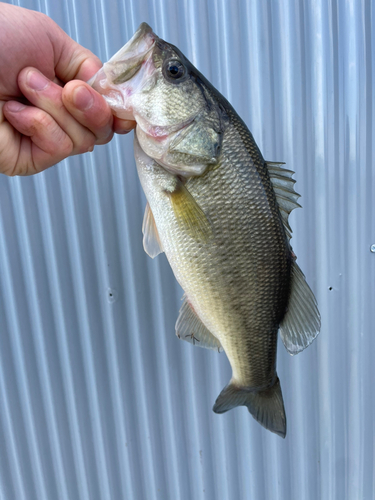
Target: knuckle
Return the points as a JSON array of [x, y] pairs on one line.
[[10, 170], [25, 167], [67, 147], [55, 140], [41, 122]]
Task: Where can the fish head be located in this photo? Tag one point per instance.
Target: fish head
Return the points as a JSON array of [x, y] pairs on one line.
[[179, 123]]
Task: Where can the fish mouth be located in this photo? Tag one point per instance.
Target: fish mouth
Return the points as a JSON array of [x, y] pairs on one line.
[[112, 80], [139, 44], [162, 132]]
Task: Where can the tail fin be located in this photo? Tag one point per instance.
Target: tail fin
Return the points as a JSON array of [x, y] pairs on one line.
[[267, 406]]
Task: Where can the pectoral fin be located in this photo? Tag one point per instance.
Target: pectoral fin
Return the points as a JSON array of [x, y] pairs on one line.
[[189, 214], [190, 328], [151, 240]]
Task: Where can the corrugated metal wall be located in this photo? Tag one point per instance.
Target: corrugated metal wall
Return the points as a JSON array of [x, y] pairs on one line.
[[98, 398]]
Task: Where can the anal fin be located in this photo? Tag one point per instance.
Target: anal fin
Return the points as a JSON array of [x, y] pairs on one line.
[[190, 328], [301, 323]]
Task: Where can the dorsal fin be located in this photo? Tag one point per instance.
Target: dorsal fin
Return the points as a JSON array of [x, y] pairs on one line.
[[301, 323], [283, 185]]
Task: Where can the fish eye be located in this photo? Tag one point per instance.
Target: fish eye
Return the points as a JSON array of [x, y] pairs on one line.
[[174, 69]]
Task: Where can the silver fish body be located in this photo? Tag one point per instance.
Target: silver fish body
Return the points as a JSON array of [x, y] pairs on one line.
[[219, 212]]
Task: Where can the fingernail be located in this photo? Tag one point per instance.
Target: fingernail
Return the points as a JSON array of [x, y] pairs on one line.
[[124, 131], [82, 98], [36, 80], [14, 106]]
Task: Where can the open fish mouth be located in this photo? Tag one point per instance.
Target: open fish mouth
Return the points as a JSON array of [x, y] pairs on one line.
[[112, 80]]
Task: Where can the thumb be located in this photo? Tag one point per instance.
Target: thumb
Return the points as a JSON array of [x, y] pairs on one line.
[[74, 62]]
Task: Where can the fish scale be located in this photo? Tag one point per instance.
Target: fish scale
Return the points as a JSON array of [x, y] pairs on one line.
[[220, 214], [235, 302]]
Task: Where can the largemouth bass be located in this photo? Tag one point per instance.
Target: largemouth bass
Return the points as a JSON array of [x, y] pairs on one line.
[[220, 212]]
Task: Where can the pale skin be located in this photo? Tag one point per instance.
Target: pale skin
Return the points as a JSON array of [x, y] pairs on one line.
[[41, 120]]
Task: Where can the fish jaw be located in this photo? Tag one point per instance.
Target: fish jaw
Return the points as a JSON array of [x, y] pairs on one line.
[[127, 73], [184, 137]]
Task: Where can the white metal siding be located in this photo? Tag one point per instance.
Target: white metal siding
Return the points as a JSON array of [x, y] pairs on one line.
[[98, 398]]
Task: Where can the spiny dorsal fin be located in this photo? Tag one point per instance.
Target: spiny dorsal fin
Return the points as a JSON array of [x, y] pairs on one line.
[[283, 185], [190, 328], [151, 240]]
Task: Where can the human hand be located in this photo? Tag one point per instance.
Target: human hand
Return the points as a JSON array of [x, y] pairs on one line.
[[42, 123]]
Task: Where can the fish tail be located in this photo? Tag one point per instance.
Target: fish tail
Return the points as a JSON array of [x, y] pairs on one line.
[[266, 406]]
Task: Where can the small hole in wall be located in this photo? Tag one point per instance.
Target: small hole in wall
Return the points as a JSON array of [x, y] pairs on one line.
[[112, 295], [330, 288]]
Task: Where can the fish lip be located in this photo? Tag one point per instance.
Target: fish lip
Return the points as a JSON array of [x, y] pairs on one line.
[[137, 47], [111, 94], [133, 53], [161, 132], [137, 51]]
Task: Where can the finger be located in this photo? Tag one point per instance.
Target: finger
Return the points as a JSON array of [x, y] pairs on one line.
[[45, 143], [89, 108], [47, 96], [74, 62], [123, 126], [9, 144], [79, 65]]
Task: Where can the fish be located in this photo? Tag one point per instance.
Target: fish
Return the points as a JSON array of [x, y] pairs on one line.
[[219, 212]]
